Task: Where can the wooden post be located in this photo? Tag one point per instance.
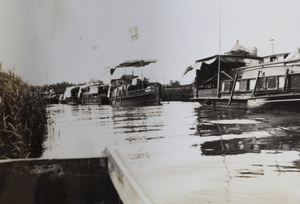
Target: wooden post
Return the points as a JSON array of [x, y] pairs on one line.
[[196, 84], [253, 92], [285, 79], [142, 74], [233, 87]]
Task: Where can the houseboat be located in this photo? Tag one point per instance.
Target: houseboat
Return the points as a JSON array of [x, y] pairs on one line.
[[132, 90], [70, 95], [86, 94], [272, 84], [95, 94], [241, 79]]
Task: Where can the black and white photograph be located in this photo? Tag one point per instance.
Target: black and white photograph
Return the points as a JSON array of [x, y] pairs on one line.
[[149, 101]]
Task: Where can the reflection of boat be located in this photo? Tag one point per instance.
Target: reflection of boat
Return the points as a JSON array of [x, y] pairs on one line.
[[129, 90], [242, 79], [213, 129], [251, 145]]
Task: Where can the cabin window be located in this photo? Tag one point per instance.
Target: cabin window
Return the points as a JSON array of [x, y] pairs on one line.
[[226, 86], [119, 92], [252, 84], [272, 82], [243, 85], [273, 59], [261, 83], [294, 81], [281, 82], [115, 93], [237, 86], [223, 86]]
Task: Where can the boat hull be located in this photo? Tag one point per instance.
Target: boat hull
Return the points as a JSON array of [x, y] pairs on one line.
[[145, 99], [221, 102], [72, 101], [287, 102], [95, 100], [256, 102]]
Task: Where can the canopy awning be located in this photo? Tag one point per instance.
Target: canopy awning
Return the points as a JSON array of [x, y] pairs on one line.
[[230, 61], [198, 64], [133, 63]]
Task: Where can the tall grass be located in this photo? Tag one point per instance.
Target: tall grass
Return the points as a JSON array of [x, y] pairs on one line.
[[22, 118]]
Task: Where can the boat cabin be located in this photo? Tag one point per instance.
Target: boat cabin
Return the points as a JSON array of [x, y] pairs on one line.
[[95, 94], [218, 68], [247, 80], [265, 84]]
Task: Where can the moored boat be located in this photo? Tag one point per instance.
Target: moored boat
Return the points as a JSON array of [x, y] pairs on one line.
[[70, 95], [86, 94], [271, 84], [211, 70], [262, 82], [133, 91], [96, 94]]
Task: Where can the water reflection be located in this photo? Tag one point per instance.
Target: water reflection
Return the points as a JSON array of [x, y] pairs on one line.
[[238, 132], [232, 149], [251, 145], [223, 131], [86, 130], [279, 126]]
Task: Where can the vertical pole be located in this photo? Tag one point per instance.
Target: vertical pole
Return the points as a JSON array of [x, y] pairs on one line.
[[142, 74], [256, 82], [285, 79], [196, 84], [123, 92], [219, 58], [232, 91], [218, 79]]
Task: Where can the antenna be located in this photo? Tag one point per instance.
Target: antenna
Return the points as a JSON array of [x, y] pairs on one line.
[[219, 58]]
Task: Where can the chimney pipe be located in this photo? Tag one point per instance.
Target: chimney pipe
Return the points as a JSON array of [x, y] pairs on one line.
[[272, 46]]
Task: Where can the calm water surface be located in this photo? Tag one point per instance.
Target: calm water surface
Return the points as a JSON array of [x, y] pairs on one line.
[[264, 144], [85, 131]]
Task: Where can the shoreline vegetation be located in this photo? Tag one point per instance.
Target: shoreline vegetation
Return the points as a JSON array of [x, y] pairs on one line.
[[23, 118]]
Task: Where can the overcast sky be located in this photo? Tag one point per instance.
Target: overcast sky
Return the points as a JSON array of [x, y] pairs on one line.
[[50, 41]]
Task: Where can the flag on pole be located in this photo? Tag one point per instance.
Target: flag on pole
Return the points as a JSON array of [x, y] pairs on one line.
[[134, 32]]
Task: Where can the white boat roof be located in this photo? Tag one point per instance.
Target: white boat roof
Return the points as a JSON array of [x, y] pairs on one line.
[[136, 63], [133, 63]]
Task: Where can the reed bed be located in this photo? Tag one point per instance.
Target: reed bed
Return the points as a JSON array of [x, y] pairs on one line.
[[22, 118]]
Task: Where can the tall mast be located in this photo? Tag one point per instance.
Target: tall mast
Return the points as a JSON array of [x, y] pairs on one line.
[[219, 58]]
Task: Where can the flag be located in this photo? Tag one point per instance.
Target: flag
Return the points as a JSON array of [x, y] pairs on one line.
[[191, 67], [134, 32]]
